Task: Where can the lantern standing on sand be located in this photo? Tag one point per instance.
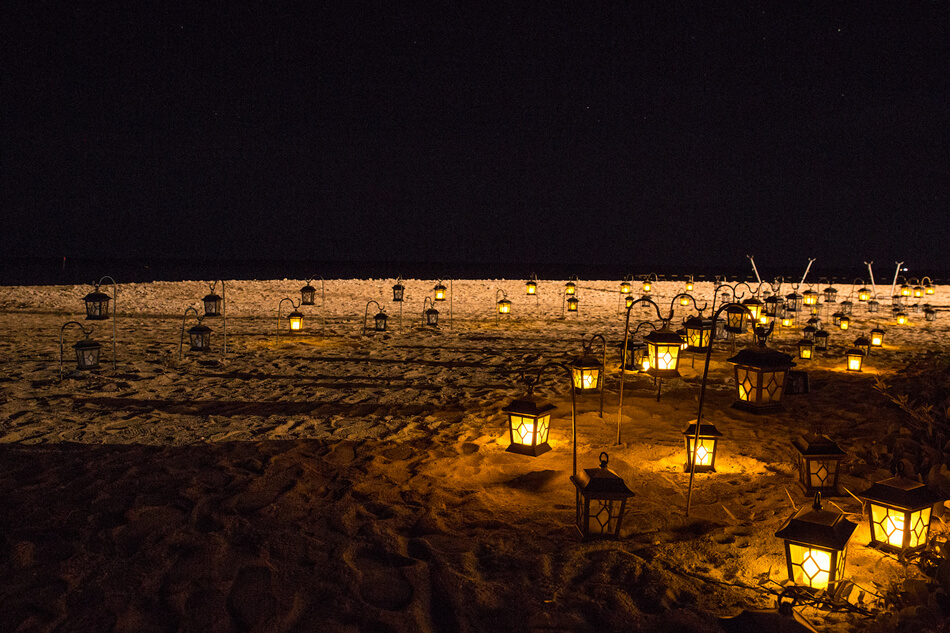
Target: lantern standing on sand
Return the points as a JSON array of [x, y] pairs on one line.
[[877, 337], [86, 350], [819, 459], [816, 541], [529, 420], [899, 512], [855, 359], [705, 452], [863, 343], [821, 341], [760, 374], [806, 348]]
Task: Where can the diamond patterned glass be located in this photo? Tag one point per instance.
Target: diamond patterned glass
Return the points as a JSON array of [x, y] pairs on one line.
[[810, 566]]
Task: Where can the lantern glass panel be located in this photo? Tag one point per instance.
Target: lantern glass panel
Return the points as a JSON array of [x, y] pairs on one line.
[[97, 309], [586, 378], [704, 454], [380, 320], [432, 317], [877, 338], [899, 529], [600, 516], [735, 320], [905, 290], [625, 287], [855, 361], [440, 293], [698, 337], [901, 318], [810, 298], [805, 350], [812, 566], [572, 304], [844, 323], [295, 321], [212, 305], [689, 286], [928, 289], [307, 295], [529, 431], [200, 339], [818, 474], [629, 301], [664, 356], [504, 307], [531, 288], [647, 286], [87, 354], [570, 288]]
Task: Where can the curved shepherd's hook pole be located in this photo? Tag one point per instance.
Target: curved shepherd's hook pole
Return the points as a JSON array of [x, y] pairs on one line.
[[366, 313], [61, 330], [295, 305], [427, 301], [184, 317], [570, 378], [587, 349], [224, 315], [623, 353], [702, 397], [323, 300], [115, 304]]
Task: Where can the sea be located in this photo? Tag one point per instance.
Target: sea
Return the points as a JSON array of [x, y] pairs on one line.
[[46, 271]]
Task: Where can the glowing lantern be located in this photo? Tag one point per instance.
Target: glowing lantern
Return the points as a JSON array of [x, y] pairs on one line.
[[572, 304], [570, 288], [504, 306], [918, 291], [899, 513], [836, 319], [213, 304], [806, 348], [529, 419], [439, 292], [705, 453], [625, 287], [379, 321], [398, 291], [689, 286], [901, 318], [307, 295], [200, 338], [587, 372], [87, 354], [664, 348], [855, 359], [930, 314], [929, 289], [295, 319], [821, 341], [647, 286], [760, 378], [628, 302], [432, 317], [637, 357], [864, 294], [97, 305], [531, 287], [810, 298], [787, 319], [754, 306], [844, 323], [831, 294], [819, 460], [684, 300], [815, 545], [698, 334], [905, 290], [874, 305], [877, 337], [735, 319], [600, 501], [863, 343]]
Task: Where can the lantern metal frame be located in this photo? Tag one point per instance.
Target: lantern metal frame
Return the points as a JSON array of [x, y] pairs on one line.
[[638, 350], [863, 343], [648, 284], [928, 286], [573, 303], [815, 533], [760, 375], [830, 293], [531, 285], [899, 505], [294, 314], [689, 284], [83, 361], [399, 291], [379, 321], [100, 317], [877, 337], [536, 410], [451, 298], [930, 314], [819, 463], [196, 334]]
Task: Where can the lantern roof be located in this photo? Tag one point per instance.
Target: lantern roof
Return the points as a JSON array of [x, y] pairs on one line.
[[751, 301], [831, 289], [199, 329], [773, 299], [398, 285], [809, 329], [432, 311], [821, 334], [382, 316], [813, 525], [87, 343], [854, 351], [695, 322], [96, 296], [762, 357], [601, 483], [586, 361], [806, 342], [706, 429], [901, 492], [815, 445], [862, 341], [529, 405], [295, 315], [213, 297], [793, 296], [664, 336], [878, 329]]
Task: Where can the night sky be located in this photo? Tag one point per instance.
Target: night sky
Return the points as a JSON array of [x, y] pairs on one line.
[[681, 133]]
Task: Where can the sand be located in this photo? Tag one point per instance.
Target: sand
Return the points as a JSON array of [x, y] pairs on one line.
[[342, 481]]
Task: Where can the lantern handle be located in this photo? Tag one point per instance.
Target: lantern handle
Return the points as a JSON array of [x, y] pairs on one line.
[[603, 458], [691, 297], [623, 352], [587, 349], [181, 340], [86, 334], [928, 280], [366, 313], [115, 305], [295, 306], [504, 295]]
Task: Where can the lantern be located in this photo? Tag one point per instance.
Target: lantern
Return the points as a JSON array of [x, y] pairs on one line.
[[295, 319], [847, 306], [793, 301], [836, 318], [918, 291], [760, 378], [844, 323], [307, 295], [930, 314], [899, 511], [664, 347], [213, 305], [698, 334], [637, 357], [864, 294], [398, 292], [863, 343], [905, 290], [531, 287], [432, 317], [809, 298], [439, 292], [819, 460], [874, 305], [684, 300], [831, 294], [855, 359], [647, 286], [628, 302], [200, 338], [877, 337], [901, 318], [529, 419], [689, 286], [787, 319], [808, 332], [806, 348], [735, 319], [772, 305], [87, 354], [821, 341], [815, 545], [572, 304], [625, 287], [379, 321], [915, 308], [705, 453], [600, 500], [570, 288], [97, 305], [929, 289], [504, 306], [754, 306], [587, 372]]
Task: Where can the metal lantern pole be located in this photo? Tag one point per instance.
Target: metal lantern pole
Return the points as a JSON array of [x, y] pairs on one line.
[[366, 313], [115, 304], [623, 354], [181, 340], [702, 400], [451, 303], [603, 378], [61, 330], [224, 314]]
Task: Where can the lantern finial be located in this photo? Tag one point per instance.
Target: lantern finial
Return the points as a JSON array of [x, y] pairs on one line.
[[604, 458]]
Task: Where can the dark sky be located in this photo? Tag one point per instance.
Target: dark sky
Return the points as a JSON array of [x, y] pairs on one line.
[[529, 132]]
